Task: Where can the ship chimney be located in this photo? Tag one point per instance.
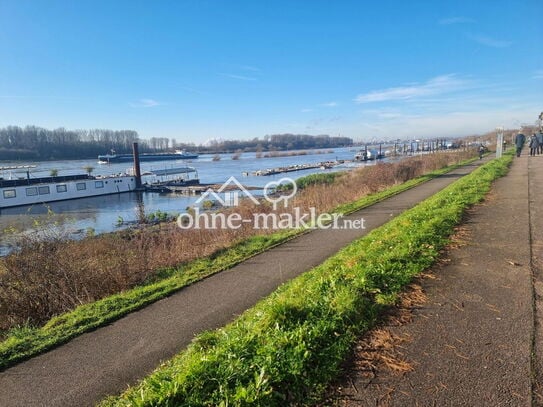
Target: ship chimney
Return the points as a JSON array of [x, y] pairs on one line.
[[137, 170]]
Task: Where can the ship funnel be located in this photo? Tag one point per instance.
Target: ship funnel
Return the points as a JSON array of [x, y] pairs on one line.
[[137, 170]]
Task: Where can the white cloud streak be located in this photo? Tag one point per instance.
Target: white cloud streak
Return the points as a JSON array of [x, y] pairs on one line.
[[330, 104], [435, 86], [456, 20], [490, 42], [538, 74], [145, 103], [238, 77], [249, 68], [453, 124]]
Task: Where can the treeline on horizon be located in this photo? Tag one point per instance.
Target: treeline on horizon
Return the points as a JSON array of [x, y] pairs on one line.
[[276, 142], [36, 143]]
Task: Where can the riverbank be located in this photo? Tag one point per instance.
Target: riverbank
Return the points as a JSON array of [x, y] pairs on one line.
[[96, 215], [314, 241], [65, 273]]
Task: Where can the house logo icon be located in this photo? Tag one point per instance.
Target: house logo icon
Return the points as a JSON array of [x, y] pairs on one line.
[[229, 198]]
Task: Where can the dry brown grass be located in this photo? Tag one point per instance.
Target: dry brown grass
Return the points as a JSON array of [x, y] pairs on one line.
[[52, 274], [48, 277], [380, 351], [367, 180], [381, 348]]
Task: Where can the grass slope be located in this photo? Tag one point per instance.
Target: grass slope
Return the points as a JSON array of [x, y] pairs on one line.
[[287, 348]]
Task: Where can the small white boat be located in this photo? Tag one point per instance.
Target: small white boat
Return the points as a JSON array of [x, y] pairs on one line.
[[368, 155]]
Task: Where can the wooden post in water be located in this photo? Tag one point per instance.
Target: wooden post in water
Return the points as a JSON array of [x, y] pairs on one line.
[[137, 170]]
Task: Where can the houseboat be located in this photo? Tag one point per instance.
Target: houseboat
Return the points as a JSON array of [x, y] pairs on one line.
[[119, 158], [161, 179], [30, 191]]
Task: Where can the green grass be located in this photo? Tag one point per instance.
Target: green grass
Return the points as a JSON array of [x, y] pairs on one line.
[[325, 178], [24, 342], [286, 349]]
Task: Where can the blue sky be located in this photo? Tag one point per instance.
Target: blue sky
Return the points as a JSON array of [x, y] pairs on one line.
[[195, 69]]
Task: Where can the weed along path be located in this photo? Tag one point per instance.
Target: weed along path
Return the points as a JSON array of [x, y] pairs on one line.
[[105, 361]]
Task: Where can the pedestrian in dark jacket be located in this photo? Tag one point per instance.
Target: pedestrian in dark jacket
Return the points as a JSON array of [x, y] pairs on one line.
[[520, 139], [534, 145], [540, 140]]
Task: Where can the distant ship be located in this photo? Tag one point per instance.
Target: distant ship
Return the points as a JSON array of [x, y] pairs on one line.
[[119, 158]]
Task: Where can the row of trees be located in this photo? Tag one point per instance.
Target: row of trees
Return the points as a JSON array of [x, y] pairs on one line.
[[36, 143], [33, 142], [277, 142]]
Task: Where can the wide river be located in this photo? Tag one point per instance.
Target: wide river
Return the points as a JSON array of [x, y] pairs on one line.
[[102, 214]]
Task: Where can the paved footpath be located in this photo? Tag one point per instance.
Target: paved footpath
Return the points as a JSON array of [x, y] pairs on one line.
[[107, 360], [478, 339]]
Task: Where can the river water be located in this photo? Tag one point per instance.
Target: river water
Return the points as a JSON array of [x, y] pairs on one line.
[[103, 214]]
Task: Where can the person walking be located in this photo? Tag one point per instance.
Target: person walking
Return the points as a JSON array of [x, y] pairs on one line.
[[534, 145], [540, 140], [481, 151], [520, 139]]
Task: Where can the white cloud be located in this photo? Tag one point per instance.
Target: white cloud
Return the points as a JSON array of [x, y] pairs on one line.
[[238, 77], [330, 104], [447, 106], [145, 103], [435, 86], [390, 115], [306, 110], [249, 68], [456, 20], [490, 42], [450, 124]]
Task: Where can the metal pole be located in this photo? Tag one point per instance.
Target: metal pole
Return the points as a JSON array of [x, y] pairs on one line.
[[499, 142]]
